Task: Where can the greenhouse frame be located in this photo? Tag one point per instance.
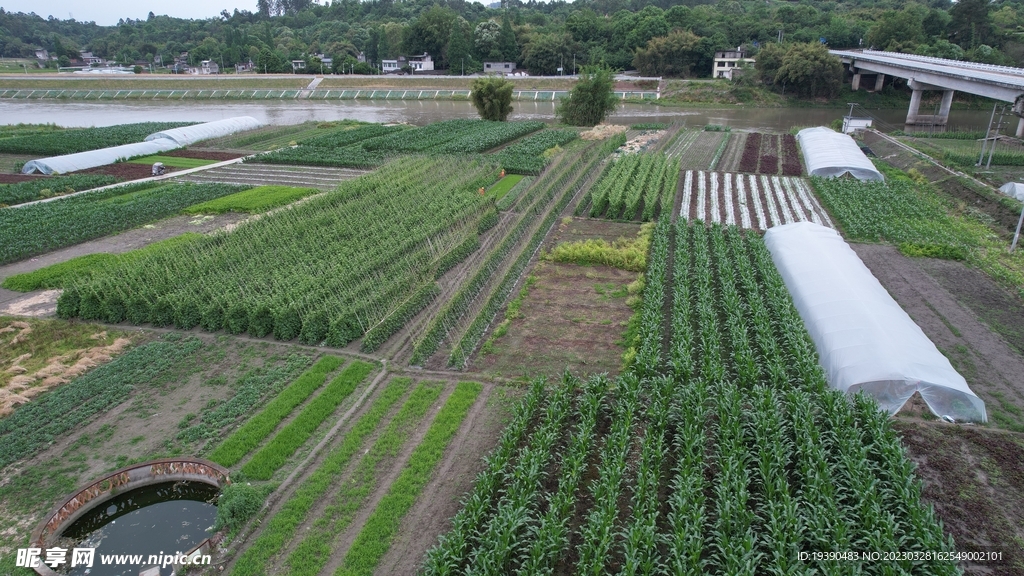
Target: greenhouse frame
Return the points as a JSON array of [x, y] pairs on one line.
[[188, 135], [865, 341]]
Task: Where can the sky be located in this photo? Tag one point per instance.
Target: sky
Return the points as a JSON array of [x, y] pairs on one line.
[[108, 12]]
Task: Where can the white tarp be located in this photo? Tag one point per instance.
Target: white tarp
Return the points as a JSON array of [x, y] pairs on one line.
[[1013, 190], [865, 341], [188, 135], [94, 158], [830, 154]]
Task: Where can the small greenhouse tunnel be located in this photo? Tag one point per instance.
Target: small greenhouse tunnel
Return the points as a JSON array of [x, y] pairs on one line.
[[830, 154], [865, 341]]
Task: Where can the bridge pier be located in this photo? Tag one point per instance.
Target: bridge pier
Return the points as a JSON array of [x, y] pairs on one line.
[[1020, 128], [855, 84], [913, 114], [879, 82]]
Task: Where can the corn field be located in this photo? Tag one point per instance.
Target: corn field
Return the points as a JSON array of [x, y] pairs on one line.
[[721, 451], [329, 269]]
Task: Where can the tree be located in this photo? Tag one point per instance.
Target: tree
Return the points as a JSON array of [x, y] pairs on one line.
[[769, 60], [459, 50], [492, 97], [545, 53], [507, 41], [811, 71], [672, 55], [971, 24], [590, 100]]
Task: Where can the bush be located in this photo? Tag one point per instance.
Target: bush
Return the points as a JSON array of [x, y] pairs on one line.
[[492, 97], [236, 505], [591, 100]]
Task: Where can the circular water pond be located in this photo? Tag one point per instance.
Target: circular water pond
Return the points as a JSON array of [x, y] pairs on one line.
[[154, 520]]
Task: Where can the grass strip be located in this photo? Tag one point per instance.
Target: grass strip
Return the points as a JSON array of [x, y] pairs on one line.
[[281, 527], [504, 185], [259, 199], [312, 553], [374, 539], [59, 275], [246, 438], [291, 437], [173, 161]]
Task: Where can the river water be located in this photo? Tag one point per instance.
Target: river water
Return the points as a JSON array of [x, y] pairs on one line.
[[419, 112]]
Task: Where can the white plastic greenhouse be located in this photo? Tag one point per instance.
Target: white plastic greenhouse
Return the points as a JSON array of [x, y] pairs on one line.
[[154, 144], [94, 158], [188, 135], [1013, 190], [865, 341], [830, 154]]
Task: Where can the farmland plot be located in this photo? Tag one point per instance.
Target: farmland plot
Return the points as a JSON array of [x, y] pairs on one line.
[[635, 186], [727, 455], [702, 152], [329, 270], [749, 201]]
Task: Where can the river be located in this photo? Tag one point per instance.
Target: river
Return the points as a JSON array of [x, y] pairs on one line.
[[419, 112]]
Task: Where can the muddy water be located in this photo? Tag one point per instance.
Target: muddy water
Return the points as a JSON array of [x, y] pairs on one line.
[[159, 519], [421, 112]]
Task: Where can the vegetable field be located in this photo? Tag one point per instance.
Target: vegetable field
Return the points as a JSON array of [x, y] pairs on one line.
[[29, 230], [771, 154], [699, 150], [749, 201], [40, 188], [80, 140], [418, 419], [328, 270], [896, 211], [636, 186], [727, 455], [527, 155], [372, 145]]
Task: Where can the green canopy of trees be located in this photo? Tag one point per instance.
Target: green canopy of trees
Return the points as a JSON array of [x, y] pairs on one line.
[[492, 97], [590, 100]]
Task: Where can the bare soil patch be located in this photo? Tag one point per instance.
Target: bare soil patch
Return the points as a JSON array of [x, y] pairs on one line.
[[15, 178], [573, 316], [125, 170], [983, 357], [974, 478]]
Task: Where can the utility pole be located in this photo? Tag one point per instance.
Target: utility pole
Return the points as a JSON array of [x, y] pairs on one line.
[[995, 138], [463, 66], [988, 131]]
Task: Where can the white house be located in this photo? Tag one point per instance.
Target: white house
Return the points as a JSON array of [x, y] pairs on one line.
[[728, 60], [419, 63]]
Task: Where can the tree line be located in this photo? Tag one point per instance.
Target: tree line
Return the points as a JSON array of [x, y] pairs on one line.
[[657, 37]]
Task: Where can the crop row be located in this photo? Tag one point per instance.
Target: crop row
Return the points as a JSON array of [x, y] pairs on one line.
[[346, 136], [394, 321], [377, 535], [40, 188], [249, 436], [281, 447], [636, 185], [83, 139], [705, 151], [749, 201], [29, 230], [281, 528], [471, 338], [999, 158], [526, 156], [534, 201], [310, 555], [253, 201], [681, 143], [896, 211], [733, 457], [327, 270], [35, 425], [790, 156]]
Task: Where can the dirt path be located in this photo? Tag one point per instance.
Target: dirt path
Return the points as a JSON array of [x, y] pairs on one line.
[[452, 480], [991, 367]]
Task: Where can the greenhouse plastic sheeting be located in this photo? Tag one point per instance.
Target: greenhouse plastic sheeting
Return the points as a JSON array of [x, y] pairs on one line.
[[1013, 190], [188, 135], [865, 341], [830, 154], [94, 158]]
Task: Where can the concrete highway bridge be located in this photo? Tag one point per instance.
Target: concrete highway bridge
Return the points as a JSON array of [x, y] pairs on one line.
[[922, 73]]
